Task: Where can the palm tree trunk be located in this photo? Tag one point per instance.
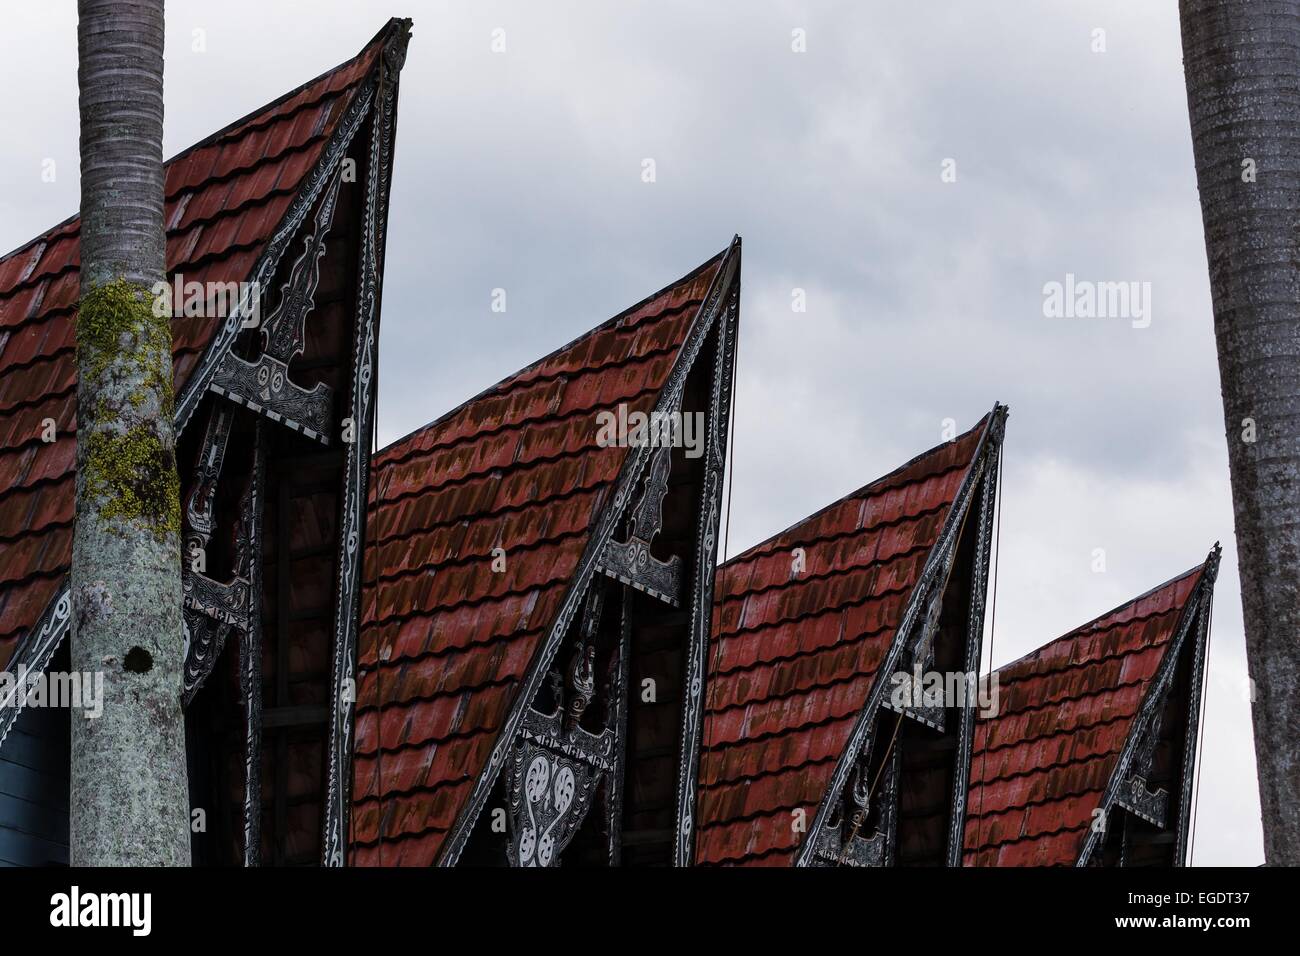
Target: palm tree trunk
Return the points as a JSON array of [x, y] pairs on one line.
[[129, 792], [1242, 64]]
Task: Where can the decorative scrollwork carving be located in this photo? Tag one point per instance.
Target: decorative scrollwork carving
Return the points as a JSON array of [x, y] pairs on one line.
[[553, 773], [918, 660], [557, 765], [631, 561], [1134, 795], [263, 384], [1138, 799], [210, 609], [841, 842]]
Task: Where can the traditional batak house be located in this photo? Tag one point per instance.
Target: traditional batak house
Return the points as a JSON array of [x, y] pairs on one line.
[[810, 756], [274, 416], [1090, 760], [499, 641], [536, 612]]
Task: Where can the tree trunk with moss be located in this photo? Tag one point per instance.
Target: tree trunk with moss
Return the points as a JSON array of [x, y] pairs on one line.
[[129, 792], [1242, 65]]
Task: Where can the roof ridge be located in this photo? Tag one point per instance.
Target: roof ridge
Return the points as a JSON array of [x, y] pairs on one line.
[[469, 560], [409, 791], [864, 488], [1077, 631], [1020, 838], [720, 746], [506, 511], [748, 778], [1077, 665], [467, 479], [399, 837], [523, 423], [837, 536], [785, 659], [411, 612], [1058, 730], [1050, 767], [800, 692], [448, 651], [603, 326]]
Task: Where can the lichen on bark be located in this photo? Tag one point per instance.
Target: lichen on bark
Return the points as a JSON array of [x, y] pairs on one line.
[[116, 321], [129, 466], [137, 474]]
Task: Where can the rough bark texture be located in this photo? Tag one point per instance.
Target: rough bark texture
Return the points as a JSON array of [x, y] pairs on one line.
[[129, 793], [1242, 64]]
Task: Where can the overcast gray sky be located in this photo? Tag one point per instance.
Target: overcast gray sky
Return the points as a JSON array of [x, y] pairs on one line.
[[522, 170]]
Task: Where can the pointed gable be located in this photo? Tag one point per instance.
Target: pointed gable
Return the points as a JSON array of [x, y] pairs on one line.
[[1040, 767], [445, 639], [796, 653], [225, 199]]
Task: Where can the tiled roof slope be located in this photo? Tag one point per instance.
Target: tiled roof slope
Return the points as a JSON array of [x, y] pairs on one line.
[[794, 656], [1039, 767], [445, 641], [224, 198]]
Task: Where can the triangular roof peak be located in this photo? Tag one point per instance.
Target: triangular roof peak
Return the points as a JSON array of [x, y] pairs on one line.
[[1069, 716], [516, 474], [803, 623]]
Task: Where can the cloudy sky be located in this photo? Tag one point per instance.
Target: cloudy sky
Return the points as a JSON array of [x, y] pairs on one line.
[[522, 170]]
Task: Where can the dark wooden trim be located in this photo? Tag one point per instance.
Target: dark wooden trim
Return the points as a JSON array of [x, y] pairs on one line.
[[1191, 738], [989, 490], [362, 396], [695, 682], [250, 660]]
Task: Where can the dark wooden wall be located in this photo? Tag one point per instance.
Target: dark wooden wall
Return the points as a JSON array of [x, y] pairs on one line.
[[34, 789]]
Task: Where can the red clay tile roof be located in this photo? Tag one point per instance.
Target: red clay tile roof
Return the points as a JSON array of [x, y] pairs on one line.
[[224, 198], [445, 641], [794, 656], [1039, 767]]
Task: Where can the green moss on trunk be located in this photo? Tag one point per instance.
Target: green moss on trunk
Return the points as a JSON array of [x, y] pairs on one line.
[[132, 469], [117, 321], [137, 473]]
